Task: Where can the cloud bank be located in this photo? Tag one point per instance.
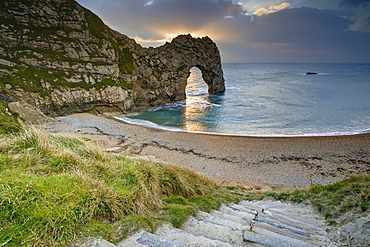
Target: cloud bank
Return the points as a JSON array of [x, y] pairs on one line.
[[250, 30]]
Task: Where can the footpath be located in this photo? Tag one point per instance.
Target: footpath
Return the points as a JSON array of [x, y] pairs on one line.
[[259, 223]]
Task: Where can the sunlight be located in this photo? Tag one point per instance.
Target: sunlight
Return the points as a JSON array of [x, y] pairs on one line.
[[196, 90], [167, 38], [174, 35]]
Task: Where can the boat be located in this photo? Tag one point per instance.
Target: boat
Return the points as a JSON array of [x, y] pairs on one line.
[[311, 73]]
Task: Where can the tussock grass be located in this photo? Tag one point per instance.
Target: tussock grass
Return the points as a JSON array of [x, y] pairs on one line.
[[333, 200], [341, 197], [54, 189], [8, 120]]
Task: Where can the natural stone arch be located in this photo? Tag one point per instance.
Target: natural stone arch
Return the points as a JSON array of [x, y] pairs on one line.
[[174, 61], [211, 79]]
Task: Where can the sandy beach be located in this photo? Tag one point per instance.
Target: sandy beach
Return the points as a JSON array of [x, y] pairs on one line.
[[253, 162]]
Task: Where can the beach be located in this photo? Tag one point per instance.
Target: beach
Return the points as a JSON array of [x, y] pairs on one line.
[[257, 163]]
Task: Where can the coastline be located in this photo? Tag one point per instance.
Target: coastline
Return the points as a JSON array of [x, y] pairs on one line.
[[257, 163], [152, 125]]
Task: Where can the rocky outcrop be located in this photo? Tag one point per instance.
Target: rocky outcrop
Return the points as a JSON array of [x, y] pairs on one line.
[[30, 114], [60, 57]]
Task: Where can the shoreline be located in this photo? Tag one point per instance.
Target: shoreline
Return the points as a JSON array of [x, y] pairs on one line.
[[237, 135], [257, 163]]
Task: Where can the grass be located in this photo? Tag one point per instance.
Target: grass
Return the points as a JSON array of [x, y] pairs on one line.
[[95, 25], [55, 189], [8, 120], [126, 64], [30, 79], [333, 200], [341, 197]]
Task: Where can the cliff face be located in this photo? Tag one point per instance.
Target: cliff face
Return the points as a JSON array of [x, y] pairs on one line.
[[61, 58]]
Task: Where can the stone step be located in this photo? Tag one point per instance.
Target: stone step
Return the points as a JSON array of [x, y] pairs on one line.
[[143, 238], [291, 223], [237, 219], [237, 212], [297, 220], [222, 219], [188, 239], [280, 220], [272, 239], [268, 205], [251, 210], [269, 202], [284, 229], [288, 208], [214, 231], [265, 223]]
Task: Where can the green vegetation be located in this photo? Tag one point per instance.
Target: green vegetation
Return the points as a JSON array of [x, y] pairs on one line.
[[334, 199], [30, 79], [95, 25], [343, 196], [126, 65], [8, 120], [55, 189]]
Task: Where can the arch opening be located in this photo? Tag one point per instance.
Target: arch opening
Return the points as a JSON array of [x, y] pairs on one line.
[[195, 86], [198, 102]]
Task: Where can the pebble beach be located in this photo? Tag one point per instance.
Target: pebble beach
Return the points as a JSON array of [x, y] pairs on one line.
[[257, 163]]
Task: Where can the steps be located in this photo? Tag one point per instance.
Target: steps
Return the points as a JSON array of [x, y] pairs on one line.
[[261, 223]]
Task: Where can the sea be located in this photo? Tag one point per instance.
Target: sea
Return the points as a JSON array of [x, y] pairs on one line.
[[271, 100]]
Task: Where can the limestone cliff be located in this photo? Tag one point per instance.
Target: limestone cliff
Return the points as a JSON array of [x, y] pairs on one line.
[[61, 58]]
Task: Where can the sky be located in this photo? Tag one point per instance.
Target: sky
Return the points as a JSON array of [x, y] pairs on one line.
[[249, 31]]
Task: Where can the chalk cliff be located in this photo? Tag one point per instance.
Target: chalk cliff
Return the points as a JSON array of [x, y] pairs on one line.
[[60, 57]]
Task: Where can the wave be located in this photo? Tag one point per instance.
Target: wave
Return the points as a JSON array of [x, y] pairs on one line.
[[149, 124], [234, 89], [153, 125]]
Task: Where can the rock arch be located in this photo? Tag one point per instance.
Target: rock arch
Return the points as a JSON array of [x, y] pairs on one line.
[[174, 61]]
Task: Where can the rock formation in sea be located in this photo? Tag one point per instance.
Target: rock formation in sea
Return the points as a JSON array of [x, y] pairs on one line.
[[61, 58]]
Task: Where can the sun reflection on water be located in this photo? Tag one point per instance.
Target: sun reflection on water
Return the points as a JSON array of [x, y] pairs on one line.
[[196, 104]]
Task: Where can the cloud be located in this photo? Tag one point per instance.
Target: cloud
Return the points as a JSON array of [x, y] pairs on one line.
[[358, 11], [282, 32], [156, 19], [355, 2], [293, 35], [272, 9]]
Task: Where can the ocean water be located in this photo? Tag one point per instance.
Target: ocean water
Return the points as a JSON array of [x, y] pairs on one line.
[[272, 100]]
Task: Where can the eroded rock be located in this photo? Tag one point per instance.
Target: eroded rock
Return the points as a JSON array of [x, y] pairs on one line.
[[62, 58]]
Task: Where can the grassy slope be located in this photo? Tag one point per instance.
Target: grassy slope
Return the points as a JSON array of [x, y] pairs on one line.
[[55, 189], [334, 200]]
